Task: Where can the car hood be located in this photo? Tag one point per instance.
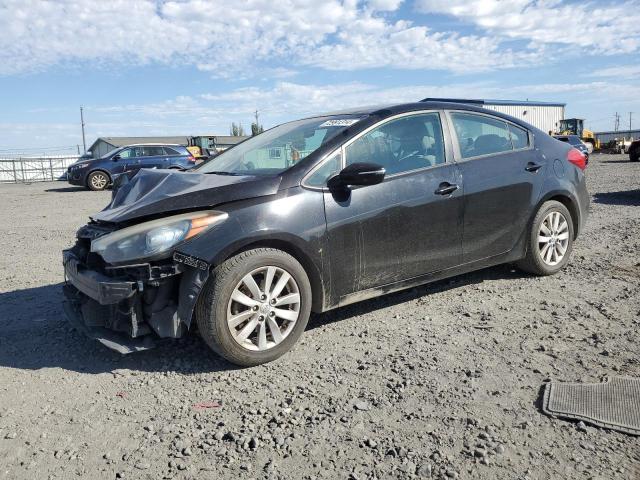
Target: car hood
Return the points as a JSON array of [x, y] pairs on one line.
[[152, 192]]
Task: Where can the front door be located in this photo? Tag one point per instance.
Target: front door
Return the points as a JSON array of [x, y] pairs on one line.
[[502, 175], [408, 225], [124, 161]]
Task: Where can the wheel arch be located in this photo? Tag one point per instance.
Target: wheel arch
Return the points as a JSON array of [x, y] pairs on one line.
[[569, 202], [86, 180], [287, 246]]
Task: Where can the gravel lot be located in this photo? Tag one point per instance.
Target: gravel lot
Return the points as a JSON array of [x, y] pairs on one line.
[[441, 381]]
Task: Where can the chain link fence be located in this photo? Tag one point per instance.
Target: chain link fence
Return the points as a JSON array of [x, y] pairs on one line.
[[35, 169]]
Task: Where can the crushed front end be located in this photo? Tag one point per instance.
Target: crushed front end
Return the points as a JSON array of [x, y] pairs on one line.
[[129, 306]]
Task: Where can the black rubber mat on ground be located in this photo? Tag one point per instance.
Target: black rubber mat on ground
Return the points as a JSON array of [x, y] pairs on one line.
[[613, 404]]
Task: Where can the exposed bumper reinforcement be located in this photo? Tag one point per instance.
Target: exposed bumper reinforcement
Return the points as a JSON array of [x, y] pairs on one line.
[[103, 289], [118, 341]]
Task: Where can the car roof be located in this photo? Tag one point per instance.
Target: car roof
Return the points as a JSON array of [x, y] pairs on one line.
[[397, 108], [153, 145]]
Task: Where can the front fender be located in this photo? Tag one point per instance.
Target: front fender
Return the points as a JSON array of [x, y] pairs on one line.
[[292, 221]]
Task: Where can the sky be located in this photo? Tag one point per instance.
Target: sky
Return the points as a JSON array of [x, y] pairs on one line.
[[191, 67]]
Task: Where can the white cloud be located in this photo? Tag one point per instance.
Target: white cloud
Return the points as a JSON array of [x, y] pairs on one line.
[[371, 42], [384, 5], [626, 71], [235, 39], [600, 27]]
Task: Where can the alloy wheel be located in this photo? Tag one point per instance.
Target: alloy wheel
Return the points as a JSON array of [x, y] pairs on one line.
[[553, 238], [99, 181], [263, 308]]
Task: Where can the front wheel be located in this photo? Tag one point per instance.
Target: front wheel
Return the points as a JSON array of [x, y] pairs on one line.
[[550, 240], [255, 306], [98, 180]]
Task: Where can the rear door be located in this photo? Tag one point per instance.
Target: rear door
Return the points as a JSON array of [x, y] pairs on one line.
[[502, 174], [152, 157], [408, 225]]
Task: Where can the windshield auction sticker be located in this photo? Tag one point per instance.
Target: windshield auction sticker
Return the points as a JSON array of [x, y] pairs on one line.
[[344, 122]]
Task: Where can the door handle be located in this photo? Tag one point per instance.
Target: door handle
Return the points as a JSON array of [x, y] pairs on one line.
[[446, 188], [533, 167]]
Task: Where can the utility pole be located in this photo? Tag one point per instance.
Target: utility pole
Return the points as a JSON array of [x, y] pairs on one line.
[[84, 142], [617, 123], [78, 147], [257, 123], [630, 122]]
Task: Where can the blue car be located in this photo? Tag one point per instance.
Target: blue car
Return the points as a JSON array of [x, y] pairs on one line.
[[98, 174]]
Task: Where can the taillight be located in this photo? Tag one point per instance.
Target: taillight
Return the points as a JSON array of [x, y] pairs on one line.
[[578, 158]]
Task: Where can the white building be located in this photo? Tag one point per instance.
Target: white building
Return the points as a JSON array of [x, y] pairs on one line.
[[544, 115]]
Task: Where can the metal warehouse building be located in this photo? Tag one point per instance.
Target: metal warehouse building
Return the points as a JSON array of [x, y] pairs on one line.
[[544, 115], [606, 137]]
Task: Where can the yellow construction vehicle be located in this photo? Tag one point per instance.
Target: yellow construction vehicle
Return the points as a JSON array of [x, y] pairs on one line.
[[575, 126]]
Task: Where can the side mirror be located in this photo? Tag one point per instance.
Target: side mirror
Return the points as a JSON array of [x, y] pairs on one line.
[[357, 174], [115, 158]]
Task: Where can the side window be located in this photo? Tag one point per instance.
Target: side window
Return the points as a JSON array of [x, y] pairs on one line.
[[152, 151], [480, 135], [135, 152], [401, 145], [126, 153], [519, 137], [328, 169]]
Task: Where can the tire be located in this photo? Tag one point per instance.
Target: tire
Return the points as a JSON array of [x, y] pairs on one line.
[[634, 157], [98, 180], [216, 306], [534, 262]]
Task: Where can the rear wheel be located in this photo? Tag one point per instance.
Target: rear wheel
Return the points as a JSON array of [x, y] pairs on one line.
[[550, 240], [98, 180], [255, 306], [634, 156]]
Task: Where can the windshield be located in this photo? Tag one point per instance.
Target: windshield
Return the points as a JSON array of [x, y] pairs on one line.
[[279, 148], [111, 152]]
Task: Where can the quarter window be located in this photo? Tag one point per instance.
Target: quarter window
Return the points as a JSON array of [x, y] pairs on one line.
[[170, 151], [519, 137], [328, 169], [480, 135], [402, 145]]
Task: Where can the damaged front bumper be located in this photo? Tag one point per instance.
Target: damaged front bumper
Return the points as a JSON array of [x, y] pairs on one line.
[[130, 308]]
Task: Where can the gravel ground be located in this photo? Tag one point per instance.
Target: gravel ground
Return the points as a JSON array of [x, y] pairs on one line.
[[441, 381]]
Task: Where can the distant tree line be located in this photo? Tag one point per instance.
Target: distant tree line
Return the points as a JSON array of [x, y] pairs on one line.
[[237, 130]]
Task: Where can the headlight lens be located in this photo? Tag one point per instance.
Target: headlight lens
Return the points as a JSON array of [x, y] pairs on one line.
[[81, 165], [154, 238]]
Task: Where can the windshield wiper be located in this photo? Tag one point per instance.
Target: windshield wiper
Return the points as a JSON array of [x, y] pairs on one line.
[[223, 173]]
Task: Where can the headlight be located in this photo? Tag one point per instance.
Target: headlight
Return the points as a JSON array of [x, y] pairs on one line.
[[82, 165], [154, 238]]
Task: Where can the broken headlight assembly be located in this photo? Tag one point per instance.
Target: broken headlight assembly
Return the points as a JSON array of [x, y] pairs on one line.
[[155, 238]]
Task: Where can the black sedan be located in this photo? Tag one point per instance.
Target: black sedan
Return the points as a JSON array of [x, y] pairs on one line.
[[319, 213]]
